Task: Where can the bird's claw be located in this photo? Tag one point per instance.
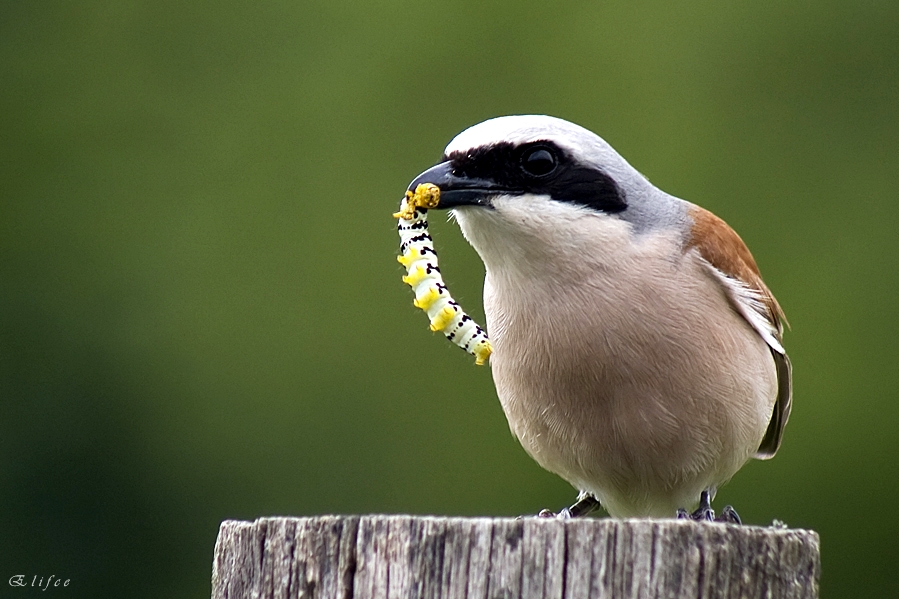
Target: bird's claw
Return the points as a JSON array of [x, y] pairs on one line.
[[546, 514], [583, 506], [705, 513], [729, 515]]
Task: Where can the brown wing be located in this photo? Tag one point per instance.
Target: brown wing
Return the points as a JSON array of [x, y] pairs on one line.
[[722, 248], [733, 265]]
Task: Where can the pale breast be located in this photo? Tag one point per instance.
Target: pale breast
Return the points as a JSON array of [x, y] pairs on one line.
[[633, 378]]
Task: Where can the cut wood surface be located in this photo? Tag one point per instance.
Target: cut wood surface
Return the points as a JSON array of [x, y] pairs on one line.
[[354, 557]]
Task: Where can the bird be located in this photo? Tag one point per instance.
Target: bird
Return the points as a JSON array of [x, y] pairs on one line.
[[637, 352]]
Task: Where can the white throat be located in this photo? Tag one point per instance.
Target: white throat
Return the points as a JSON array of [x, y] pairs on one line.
[[527, 236]]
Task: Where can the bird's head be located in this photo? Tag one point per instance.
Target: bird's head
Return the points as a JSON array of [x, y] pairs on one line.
[[533, 182]]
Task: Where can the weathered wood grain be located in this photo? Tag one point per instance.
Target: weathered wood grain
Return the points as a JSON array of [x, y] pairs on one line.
[[353, 557]]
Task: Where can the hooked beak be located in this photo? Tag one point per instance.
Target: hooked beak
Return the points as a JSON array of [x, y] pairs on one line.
[[456, 190]]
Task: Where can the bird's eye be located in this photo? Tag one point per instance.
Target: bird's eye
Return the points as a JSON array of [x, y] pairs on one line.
[[538, 161]]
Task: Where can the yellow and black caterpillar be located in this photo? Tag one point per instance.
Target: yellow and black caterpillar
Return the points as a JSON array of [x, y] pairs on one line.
[[423, 275]]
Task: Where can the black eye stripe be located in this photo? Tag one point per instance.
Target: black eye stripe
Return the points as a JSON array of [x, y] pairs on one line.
[[570, 181]]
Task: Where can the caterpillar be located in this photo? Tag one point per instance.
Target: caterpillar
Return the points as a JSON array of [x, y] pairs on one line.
[[423, 275]]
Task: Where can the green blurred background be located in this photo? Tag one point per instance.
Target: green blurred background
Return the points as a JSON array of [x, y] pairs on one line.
[[201, 316]]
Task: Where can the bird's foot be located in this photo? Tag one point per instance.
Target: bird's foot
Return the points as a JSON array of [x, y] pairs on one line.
[[548, 513], [583, 506], [705, 513], [729, 516]]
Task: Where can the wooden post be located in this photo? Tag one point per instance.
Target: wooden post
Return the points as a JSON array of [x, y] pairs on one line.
[[353, 557]]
